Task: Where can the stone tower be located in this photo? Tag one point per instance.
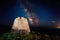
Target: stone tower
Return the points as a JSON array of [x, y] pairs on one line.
[[20, 25]]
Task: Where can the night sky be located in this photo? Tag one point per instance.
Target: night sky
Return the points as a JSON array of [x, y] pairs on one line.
[[47, 11]]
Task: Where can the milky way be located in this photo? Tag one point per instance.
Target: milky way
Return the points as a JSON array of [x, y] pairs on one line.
[[32, 17]]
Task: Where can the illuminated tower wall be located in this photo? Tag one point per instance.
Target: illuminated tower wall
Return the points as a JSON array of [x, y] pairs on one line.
[[21, 24]]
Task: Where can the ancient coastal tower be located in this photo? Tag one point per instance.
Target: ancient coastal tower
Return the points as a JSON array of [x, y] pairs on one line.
[[20, 25]]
